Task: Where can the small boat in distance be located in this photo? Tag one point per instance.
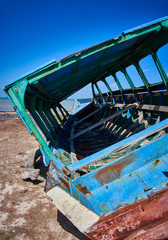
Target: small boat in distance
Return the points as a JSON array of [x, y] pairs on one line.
[[108, 162]]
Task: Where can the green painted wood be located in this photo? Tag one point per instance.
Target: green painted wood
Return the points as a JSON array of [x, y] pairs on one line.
[[129, 79], [160, 69], [98, 89], [114, 55], [17, 97], [117, 82], [108, 87]]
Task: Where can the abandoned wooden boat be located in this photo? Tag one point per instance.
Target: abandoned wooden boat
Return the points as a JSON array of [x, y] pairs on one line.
[[109, 161]]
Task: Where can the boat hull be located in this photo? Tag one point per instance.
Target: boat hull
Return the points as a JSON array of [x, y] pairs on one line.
[[108, 162], [146, 219]]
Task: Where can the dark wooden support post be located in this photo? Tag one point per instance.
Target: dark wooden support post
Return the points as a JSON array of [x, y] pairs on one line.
[[98, 89], [144, 98], [124, 99], [162, 104], [151, 98], [137, 98], [131, 99]]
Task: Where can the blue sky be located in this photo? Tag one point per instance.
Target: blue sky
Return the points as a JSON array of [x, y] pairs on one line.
[[35, 32]]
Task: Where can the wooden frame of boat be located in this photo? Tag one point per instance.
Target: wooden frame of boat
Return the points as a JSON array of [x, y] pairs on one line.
[[108, 162]]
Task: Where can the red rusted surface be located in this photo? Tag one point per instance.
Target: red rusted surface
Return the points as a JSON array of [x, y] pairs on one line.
[[79, 157], [146, 219], [64, 183], [66, 154], [112, 172], [83, 189], [156, 162]]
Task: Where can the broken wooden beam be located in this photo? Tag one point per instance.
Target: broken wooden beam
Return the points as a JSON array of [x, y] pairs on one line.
[[130, 106], [148, 107], [89, 115]]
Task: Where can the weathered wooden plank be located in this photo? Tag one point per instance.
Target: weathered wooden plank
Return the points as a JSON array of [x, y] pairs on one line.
[[104, 120], [76, 212], [142, 125], [149, 107], [153, 108], [120, 105]]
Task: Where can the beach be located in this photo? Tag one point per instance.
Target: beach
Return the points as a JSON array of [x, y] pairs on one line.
[[25, 210]]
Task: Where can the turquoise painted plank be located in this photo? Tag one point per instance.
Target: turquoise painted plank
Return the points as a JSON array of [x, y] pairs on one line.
[[81, 197], [158, 170], [132, 187], [101, 200], [145, 25], [124, 191], [125, 164], [103, 153]]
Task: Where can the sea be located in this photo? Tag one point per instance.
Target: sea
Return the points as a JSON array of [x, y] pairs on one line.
[[5, 105]]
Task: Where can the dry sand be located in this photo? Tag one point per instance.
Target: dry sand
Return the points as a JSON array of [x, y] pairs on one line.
[[25, 210]]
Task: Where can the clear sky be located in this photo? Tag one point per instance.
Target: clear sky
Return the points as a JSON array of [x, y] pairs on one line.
[[35, 32]]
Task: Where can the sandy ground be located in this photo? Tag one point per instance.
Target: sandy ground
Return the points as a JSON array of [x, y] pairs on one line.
[[25, 210]]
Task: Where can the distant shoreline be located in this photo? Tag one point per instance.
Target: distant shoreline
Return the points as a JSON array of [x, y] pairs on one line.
[[6, 106], [8, 115]]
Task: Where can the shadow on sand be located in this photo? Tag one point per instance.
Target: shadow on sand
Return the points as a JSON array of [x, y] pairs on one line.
[[69, 227]]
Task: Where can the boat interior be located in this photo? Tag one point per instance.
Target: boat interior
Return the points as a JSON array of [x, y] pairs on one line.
[[131, 103]]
